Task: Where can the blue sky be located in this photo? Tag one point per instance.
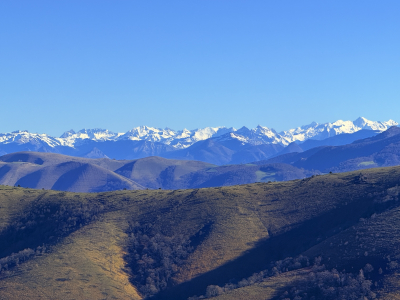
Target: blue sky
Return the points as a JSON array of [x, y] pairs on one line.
[[121, 64]]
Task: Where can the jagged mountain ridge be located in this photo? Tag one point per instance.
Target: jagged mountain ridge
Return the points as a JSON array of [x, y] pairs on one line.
[[155, 141]]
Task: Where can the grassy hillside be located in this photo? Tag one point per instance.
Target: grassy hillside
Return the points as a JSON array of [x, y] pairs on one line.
[[176, 244]]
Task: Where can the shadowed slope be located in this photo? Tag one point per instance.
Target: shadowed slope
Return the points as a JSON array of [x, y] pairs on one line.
[[90, 178], [60, 172], [210, 150], [46, 159], [155, 172]]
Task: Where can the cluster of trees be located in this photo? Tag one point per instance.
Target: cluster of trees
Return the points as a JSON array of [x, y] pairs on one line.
[[276, 268], [320, 283], [155, 258], [331, 285], [15, 259]]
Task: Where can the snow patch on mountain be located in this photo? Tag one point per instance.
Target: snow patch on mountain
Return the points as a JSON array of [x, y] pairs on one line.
[[232, 136], [71, 138]]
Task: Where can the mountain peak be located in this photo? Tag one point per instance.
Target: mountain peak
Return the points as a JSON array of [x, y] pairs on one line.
[[67, 134], [243, 130], [361, 121]]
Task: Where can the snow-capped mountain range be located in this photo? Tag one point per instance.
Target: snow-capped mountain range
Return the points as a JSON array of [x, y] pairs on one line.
[[183, 144], [182, 139]]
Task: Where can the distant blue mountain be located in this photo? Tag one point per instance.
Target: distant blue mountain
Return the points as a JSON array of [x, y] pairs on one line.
[[380, 150]]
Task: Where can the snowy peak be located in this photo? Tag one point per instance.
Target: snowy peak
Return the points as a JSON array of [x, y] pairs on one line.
[[96, 134], [360, 122], [208, 132], [24, 137], [372, 125], [72, 138], [148, 134], [257, 136], [322, 131], [269, 132], [177, 139]]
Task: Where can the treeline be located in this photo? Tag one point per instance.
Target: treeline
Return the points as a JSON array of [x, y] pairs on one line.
[[320, 283], [155, 258]]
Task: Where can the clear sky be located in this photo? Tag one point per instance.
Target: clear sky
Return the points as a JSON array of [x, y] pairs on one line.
[[70, 64]]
